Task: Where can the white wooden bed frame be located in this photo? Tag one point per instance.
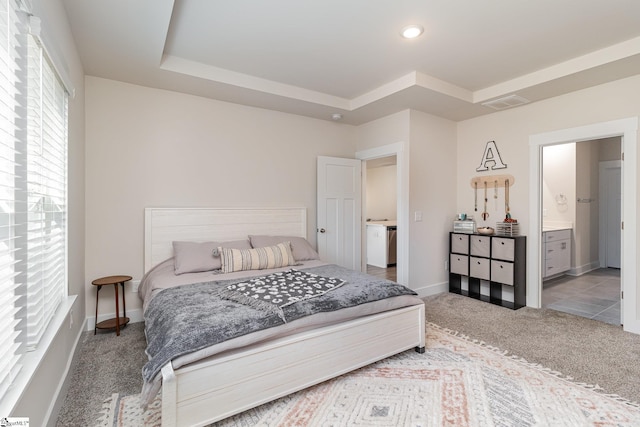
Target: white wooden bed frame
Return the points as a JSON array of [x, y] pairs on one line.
[[218, 387]]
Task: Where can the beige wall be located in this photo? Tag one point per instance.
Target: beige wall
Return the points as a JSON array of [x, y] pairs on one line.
[[511, 130], [385, 131], [609, 149], [559, 184], [382, 193], [38, 400], [431, 146], [432, 185], [149, 147]]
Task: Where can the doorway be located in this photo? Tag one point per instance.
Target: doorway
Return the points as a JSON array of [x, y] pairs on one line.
[[628, 129], [399, 150], [578, 180], [381, 215]]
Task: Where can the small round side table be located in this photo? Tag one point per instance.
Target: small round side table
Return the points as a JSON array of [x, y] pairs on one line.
[[117, 321]]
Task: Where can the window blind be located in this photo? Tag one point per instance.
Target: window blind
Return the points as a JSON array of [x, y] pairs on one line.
[[9, 343], [46, 189], [33, 190]]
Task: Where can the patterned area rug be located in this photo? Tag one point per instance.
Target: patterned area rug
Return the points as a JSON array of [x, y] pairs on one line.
[[456, 382]]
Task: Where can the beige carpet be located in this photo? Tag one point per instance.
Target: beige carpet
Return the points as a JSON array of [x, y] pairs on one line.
[[456, 382], [590, 351]]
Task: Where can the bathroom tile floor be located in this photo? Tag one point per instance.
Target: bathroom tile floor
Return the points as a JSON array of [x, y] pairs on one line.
[[595, 295]]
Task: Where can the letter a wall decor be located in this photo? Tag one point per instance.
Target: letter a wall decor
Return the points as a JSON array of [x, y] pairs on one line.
[[491, 158]]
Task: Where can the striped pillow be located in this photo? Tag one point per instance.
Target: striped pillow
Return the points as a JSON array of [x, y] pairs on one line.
[[256, 259]]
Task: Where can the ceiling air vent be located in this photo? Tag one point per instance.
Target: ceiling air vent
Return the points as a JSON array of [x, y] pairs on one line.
[[506, 102]]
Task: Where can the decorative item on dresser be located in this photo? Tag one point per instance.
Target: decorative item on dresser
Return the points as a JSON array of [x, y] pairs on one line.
[[498, 261]]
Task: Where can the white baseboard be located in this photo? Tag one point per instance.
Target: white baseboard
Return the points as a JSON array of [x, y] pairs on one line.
[[134, 316], [429, 290], [584, 269], [63, 387]]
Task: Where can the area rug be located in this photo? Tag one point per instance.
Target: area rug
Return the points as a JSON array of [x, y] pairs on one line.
[[456, 382]]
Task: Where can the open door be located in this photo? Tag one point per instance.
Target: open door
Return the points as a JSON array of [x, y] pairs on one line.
[[610, 213], [339, 210]]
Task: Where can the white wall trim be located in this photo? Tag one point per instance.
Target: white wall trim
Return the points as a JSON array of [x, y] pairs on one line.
[[32, 360], [584, 269], [399, 149], [628, 129], [429, 290], [63, 386]]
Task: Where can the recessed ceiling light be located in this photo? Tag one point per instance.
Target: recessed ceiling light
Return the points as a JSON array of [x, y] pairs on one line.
[[412, 31]]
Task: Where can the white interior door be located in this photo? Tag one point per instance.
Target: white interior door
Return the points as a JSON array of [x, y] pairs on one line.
[[613, 217], [610, 213], [339, 208]]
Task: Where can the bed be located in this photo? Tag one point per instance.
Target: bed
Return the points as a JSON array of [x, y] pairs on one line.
[[223, 378]]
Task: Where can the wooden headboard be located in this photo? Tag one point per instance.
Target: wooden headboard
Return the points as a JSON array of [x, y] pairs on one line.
[[162, 226]]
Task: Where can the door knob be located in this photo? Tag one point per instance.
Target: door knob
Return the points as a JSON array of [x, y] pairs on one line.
[[322, 230]]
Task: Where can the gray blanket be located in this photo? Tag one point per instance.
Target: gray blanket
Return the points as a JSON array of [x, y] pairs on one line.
[[188, 318]]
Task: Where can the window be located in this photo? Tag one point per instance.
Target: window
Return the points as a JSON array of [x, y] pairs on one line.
[[33, 189], [46, 192]]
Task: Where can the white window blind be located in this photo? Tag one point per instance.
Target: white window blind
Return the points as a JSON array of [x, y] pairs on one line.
[[33, 190], [9, 343], [46, 190]]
